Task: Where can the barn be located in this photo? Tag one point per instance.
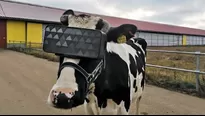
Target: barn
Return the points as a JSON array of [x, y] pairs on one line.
[[22, 23]]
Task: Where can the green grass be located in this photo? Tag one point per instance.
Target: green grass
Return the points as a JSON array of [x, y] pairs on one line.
[[174, 80]]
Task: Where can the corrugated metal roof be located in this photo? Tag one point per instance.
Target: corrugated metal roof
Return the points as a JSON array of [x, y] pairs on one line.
[[156, 27], [1, 11], [19, 10]]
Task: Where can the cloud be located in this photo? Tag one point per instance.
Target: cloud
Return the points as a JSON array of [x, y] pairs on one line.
[[188, 13]]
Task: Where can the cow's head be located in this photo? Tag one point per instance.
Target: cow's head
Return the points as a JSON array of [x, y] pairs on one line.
[[70, 89], [83, 21]]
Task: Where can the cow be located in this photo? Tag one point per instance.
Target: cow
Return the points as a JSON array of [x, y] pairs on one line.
[[119, 84]]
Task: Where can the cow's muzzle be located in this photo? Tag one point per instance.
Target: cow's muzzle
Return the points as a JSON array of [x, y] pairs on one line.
[[62, 100]]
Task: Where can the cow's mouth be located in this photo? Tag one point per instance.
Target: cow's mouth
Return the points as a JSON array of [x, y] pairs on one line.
[[64, 104], [62, 100]]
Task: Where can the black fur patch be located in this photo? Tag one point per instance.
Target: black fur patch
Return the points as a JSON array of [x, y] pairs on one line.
[[99, 25], [133, 66], [68, 12], [136, 88], [134, 83]]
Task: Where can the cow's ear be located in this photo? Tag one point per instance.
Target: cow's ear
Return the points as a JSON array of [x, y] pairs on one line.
[[68, 12], [127, 31], [122, 33]]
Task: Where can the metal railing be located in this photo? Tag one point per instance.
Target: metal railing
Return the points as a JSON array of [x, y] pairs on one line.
[[24, 44], [197, 71], [38, 46]]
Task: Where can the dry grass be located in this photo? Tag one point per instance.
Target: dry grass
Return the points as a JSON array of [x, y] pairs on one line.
[[37, 53], [175, 79]]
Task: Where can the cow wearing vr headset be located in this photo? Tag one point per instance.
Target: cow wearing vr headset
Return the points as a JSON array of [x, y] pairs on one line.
[[119, 84]]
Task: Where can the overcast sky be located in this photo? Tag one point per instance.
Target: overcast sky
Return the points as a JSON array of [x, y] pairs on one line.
[[188, 13]]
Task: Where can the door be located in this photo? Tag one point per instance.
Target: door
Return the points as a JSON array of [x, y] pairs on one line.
[[2, 33]]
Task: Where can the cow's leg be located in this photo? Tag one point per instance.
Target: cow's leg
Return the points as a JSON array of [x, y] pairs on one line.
[[111, 108], [122, 110], [91, 105], [136, 99], [138, 105], [91, 108]]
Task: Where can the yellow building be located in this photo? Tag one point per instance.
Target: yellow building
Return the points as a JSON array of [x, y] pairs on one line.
[[20, 32], [22, 28]]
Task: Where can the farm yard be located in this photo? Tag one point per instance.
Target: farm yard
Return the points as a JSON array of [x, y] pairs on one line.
[[25, 82], [27, 73]]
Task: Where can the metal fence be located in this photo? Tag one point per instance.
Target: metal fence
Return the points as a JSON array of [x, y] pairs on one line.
[[38, 46], [197, 71], [24, 44]]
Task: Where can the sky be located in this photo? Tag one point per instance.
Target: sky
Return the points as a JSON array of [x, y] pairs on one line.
[[188, 13]]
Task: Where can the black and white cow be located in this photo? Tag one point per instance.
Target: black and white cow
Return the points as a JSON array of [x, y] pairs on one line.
[[119, 84]]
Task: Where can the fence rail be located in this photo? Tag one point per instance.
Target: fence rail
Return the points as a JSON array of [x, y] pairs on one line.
[[172, 68], [197, 54], [177, 52], [197, 71]]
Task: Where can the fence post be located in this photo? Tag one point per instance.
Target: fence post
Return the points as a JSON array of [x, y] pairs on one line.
[[29, 47], [197, 53]]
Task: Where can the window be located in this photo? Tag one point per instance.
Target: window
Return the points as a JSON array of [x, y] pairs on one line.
[[160, 39], [141, 34], [189, 42], [203, 41], [200, 40], [166, 40], [170, 40], [194, 40], [177, 40], [148, 38], [154, 39]]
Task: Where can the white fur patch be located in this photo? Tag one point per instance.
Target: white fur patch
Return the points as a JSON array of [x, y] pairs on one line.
[[111, 108], [121, 109], [92, 108], [83, 22], [138, 84], [123, 50], [66, 79], [69, 95]]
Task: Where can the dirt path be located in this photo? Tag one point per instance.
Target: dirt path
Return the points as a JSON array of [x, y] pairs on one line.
[[25, 82]]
